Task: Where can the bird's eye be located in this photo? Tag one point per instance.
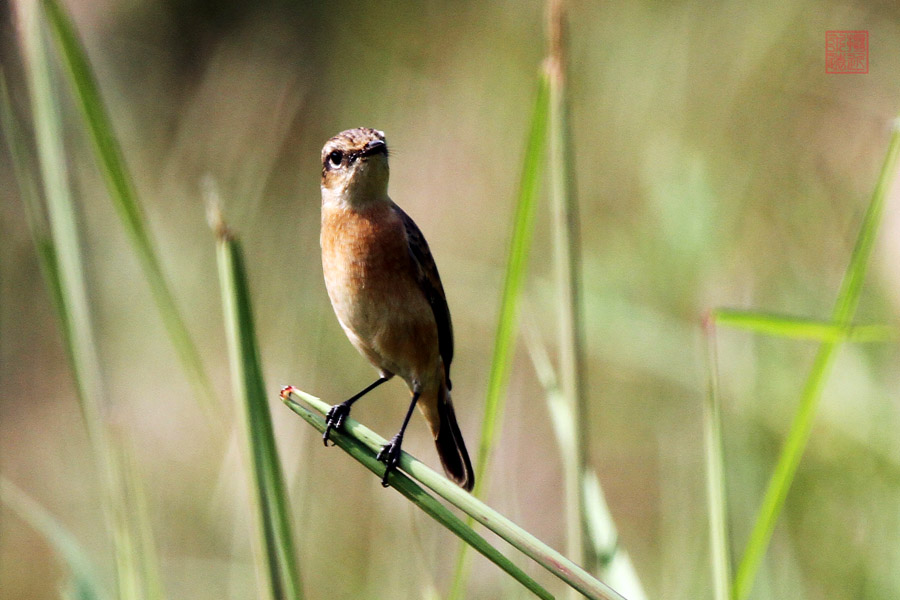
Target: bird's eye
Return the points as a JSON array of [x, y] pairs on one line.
[[335, 158]]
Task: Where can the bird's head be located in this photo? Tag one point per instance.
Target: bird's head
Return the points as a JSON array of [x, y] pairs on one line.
[[355, 167]]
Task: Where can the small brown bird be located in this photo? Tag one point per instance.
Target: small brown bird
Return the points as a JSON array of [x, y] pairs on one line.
[[386, 293]]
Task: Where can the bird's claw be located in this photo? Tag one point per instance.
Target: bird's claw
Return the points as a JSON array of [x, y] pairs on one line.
[[390, 456], [334, 419]]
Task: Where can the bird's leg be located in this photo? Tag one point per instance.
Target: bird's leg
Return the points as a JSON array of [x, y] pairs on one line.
[[390, 452], [337, 413]]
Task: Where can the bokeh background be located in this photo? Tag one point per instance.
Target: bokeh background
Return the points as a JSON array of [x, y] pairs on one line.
[[717, 165]]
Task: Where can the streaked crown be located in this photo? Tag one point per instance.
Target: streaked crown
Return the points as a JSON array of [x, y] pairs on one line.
[[355, 166]]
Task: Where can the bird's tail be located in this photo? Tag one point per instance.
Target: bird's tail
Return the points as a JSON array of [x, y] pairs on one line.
[[450, 445]]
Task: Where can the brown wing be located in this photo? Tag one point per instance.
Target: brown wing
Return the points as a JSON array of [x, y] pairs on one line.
[[430, 283]]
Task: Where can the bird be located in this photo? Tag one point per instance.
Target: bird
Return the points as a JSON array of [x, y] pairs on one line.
[[387, 295]]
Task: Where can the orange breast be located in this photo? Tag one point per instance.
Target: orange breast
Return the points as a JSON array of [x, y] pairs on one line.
[[371, 280]]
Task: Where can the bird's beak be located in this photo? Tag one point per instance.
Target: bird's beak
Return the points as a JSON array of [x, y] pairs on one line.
[[374, 147]]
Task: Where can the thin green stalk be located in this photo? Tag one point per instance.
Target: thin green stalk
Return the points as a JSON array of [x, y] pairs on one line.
[[122, 192], [715, 473], [137, 566], [516, 269], [507, 321], [61, 261], [276, 561], [418, 496], [567, 250], [64, 235], [614, 563], [35, 214], [147, 583], [85, 582], [845, 306], [785, 469], [801, 327], [547, 557]]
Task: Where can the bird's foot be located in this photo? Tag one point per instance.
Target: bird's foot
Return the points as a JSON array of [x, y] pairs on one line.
[[390, 456], [334, 419]]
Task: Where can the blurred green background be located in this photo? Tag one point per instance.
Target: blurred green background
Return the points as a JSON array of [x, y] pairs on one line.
[[717, 165]]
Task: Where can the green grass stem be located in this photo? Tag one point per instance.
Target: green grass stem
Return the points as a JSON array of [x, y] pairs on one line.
[[567, 253], [513, 282], [557, 564], [614, 563], [62, 265], [35, 212], [845, 306], [365, 454], [720, 554], [276, 561], [85, 582], [507, 320], [134, 526], [70, 289], [122, 192], [801, 328]]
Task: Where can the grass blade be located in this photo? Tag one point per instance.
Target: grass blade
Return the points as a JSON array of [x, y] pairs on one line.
[[61, 262], [845, 306], [516, 268], [800, 327], [507, 321], [614, 563], [848, 296], [567, 251], [715, 473], [85, 580], [418, 496], [547, 557], [279, 575], [121, 190], [35, 212], [70, 289], [134, 526]]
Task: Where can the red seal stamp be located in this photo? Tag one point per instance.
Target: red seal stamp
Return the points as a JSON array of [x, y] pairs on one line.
[[846, 51]]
